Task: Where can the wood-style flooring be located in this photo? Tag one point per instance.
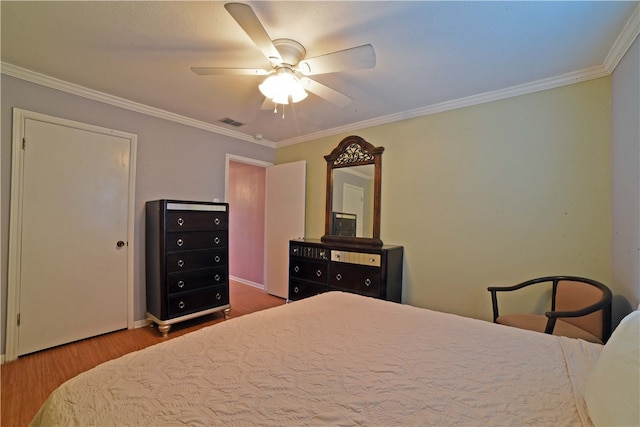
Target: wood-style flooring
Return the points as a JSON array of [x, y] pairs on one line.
[[28, 381]]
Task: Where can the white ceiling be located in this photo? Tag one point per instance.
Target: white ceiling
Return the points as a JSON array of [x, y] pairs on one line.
[[430, 54]]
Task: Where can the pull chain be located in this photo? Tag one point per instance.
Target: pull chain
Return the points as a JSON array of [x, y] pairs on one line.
[[275, 109]]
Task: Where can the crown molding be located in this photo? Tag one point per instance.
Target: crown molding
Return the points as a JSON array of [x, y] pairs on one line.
[[524, 89], [74, 89], [624, 41]]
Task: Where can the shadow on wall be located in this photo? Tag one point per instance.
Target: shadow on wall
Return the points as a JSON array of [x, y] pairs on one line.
[[620, 307]]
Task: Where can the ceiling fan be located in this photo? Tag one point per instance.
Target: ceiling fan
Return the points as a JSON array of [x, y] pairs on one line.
[[288, 79]]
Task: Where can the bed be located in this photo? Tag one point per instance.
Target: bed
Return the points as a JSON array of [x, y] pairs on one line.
[[338, 359]]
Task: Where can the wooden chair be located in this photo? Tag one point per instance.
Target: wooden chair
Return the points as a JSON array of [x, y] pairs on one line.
[[580, 308]]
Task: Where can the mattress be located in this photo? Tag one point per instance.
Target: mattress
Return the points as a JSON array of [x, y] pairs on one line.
[[337, 359]]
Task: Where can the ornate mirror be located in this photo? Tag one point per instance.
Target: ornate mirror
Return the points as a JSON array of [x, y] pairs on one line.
[[353, 192]]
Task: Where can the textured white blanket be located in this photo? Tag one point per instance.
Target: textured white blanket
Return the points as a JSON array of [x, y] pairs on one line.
[[337, 359]]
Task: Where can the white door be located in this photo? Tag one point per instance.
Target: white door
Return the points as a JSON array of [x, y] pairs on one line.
[[353, 202], [74, 238], [284, 220]]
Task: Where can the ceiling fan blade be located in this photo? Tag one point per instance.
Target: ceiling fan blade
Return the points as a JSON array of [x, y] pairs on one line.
[[354, 58], [217, 71], [247, 19], [333, 96]]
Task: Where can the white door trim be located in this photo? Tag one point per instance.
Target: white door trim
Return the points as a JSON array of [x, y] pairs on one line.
[[15, 219]]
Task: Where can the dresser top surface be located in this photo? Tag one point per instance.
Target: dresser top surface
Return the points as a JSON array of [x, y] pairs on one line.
[[339, 245]]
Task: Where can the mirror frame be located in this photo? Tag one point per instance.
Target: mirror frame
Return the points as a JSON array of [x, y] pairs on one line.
[[354, 151]]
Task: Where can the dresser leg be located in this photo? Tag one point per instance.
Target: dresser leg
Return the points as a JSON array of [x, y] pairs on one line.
[[226, 313], [164, 329]]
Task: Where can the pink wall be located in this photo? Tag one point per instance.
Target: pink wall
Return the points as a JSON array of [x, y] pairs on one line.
[[246, 188]]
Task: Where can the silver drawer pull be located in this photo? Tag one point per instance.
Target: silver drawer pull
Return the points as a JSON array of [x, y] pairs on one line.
[[338, 276], [181, 284], [372, 260], [180, 242], [180, 263], [216, 221], [218, 296], [367, 282], [217, 258], [181, 304], [216, 277], [180, 222], [216, 240], [319, 273], [296, 290], [296, 269]]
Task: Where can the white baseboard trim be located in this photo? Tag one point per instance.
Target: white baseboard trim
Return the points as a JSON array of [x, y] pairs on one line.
[[247, 282], [141, 323]]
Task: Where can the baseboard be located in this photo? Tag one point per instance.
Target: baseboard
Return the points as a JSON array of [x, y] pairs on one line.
[[247, 282], [141, 323]]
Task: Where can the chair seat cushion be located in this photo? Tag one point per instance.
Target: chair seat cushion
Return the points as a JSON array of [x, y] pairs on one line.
[[538, 323]]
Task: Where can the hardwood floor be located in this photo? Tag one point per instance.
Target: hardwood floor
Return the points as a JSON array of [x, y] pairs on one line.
[[28, 381]]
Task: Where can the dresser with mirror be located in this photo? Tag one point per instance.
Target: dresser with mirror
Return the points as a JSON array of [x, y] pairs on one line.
[[350, 256]]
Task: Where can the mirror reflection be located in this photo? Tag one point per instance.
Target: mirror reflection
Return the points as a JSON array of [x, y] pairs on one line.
[[352, 204], [352, 209]]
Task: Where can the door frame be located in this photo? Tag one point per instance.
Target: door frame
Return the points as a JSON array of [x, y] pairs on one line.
[[20, 117]]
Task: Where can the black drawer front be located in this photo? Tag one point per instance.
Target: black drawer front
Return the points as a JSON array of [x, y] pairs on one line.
[[185, 261], [197, 301], [183, 282], [190, 220], [305, 251], [353, 278], [299, 290], [308, 270], [184, 241]]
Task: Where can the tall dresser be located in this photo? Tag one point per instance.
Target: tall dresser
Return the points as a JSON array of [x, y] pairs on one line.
[[187, 254], [316, 266]]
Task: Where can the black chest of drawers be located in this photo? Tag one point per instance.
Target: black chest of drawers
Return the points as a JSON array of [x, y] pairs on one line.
[[187, 253], [316, 267]]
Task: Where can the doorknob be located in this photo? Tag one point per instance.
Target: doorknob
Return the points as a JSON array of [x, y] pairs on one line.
[[120, 243]]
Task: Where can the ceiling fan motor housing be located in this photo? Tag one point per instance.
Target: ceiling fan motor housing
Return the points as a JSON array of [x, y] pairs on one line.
[[291, 51]]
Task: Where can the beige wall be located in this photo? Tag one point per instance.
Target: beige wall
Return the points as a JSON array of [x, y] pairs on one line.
[[625, 142], [489, 195]]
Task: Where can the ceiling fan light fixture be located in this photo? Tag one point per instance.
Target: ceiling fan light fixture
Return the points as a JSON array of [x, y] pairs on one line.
[[283, 87]]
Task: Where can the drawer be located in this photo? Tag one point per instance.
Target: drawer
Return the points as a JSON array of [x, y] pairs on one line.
[[184, 241], [196, 301], [308, 251], [193, 220], [356, 279], [185, 261], [299, 290], [308, 270], [184, 282]]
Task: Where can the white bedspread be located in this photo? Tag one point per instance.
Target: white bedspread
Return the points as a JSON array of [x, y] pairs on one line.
[[337, 359]]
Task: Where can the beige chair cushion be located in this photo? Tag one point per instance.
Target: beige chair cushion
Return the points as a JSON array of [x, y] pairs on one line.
[[538, 322], [576, 295]]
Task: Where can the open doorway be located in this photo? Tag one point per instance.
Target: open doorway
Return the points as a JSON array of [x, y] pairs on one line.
[[245, 189]]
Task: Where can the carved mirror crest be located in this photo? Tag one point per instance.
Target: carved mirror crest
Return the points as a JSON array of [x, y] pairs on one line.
[[353, 192]]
